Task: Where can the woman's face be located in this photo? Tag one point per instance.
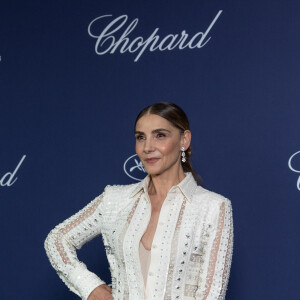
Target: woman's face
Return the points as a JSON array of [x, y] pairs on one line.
[[158, 144]]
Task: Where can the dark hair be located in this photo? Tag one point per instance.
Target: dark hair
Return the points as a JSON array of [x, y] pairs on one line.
[[177, 117]]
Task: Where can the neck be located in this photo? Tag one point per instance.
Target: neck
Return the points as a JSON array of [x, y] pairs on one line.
[[160, 185]]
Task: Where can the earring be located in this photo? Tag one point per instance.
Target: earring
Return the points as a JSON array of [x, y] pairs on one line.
[[183, 158]]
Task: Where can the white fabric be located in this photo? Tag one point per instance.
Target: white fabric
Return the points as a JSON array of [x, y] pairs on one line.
[[191, 251]]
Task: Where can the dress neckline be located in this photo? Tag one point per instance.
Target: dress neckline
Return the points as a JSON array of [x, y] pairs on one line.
[[144, 247]]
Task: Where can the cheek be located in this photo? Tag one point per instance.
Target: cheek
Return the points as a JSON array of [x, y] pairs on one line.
[[169, 147], [137, 148]]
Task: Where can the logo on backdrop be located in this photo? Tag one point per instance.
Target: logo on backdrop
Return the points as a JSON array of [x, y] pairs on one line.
[[104, 28], [134, 168], [291, 164], [10, 178]]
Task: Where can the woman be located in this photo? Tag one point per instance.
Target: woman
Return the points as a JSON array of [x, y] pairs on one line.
[[165, 237]]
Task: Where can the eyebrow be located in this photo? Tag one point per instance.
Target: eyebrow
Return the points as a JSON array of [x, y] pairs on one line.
[[153, 131]]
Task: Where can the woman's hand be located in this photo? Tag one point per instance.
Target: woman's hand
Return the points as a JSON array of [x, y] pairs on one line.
[[101, 292]]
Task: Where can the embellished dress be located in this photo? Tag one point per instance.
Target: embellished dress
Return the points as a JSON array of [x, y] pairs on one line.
[[191, 252]]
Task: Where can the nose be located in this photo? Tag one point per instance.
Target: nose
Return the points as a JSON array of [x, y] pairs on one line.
[[149, 146]]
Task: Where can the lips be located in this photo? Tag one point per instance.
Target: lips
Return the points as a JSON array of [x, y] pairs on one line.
[[152, 160]]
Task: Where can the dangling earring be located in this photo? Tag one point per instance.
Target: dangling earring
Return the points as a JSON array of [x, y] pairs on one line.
[[183, 158]]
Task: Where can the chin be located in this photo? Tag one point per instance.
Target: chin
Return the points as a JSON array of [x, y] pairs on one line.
[[154, 171]]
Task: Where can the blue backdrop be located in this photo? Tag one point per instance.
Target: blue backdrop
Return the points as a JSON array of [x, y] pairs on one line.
[[69, 97]]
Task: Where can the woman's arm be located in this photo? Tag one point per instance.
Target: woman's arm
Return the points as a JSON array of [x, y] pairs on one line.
[[219, 256], [62, 242]]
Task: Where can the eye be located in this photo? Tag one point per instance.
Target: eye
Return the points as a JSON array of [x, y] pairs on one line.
[[139, 137], [160, 135]]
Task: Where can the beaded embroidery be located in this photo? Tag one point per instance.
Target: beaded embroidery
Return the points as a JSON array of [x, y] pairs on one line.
[[192, 246]]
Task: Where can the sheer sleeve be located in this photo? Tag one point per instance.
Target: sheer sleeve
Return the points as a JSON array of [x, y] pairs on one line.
[[219, 255], [62, 242]]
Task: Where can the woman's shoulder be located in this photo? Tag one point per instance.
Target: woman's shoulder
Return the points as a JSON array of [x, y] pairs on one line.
[[117, 197], [211, 202], [120, 194], [203, 194], [122, 189]]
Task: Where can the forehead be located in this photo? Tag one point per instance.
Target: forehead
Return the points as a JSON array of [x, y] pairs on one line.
[[151, 122]]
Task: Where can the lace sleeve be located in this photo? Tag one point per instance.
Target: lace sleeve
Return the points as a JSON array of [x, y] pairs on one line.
[[219, 256], [62, 242]]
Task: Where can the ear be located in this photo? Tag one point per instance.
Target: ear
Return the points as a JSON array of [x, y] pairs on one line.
[[186, 139]]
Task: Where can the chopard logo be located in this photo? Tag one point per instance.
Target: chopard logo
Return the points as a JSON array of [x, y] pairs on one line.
[[292, 167], [8, 178], [108, 42], [134, 168]]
